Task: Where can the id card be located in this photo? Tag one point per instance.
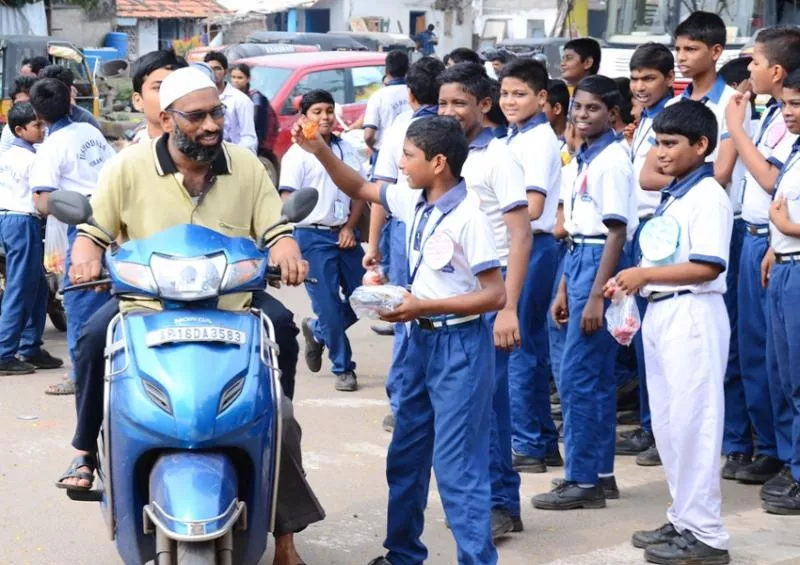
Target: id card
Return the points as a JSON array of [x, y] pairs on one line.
[[340, 212], [660, 239]]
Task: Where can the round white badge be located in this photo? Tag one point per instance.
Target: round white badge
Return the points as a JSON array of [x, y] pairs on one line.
[[659, 239], [438, 251]]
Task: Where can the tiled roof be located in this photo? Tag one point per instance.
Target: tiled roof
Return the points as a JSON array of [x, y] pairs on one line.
[[161, 9]]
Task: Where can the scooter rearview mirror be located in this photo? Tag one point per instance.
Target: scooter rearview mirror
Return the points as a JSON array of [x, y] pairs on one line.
[[297, 207], [70, 207]]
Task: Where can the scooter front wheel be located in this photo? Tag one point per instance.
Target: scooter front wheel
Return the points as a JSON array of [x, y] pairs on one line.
[[197, 553]]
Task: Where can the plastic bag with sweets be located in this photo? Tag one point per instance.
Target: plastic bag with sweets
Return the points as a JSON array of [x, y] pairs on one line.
[[55, 245], [372, 301], [622, 317]]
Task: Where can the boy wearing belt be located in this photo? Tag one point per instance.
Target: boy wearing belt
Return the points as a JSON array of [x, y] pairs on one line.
[[686, 335], [447, 366]]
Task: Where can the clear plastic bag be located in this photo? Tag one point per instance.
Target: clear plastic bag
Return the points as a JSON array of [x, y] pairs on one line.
[[373, 276], [372, 301], [55, 245], [622, 317]]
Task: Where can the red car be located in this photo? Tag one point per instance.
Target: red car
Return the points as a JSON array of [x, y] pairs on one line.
[[351, 76]]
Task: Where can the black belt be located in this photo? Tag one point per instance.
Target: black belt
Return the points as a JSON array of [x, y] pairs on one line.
[[321, 227], [784, 258], [661, 296], [757, 229], [441, 323], [575, 240]]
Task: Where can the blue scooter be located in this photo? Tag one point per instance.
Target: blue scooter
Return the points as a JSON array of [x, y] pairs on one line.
[[189, 453]]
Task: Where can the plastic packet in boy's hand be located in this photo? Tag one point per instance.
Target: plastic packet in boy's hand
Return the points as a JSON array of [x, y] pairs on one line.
[[623, 318], [55, 245], [373, 276], [372, 301]]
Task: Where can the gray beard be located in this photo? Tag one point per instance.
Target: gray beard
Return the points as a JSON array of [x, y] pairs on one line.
[[193, 149]]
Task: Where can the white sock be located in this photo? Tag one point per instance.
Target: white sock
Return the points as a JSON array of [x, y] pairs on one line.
[[586, 485], [605, 475]]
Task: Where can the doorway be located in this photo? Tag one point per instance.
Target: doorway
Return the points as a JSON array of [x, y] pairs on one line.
[[416, 23], [318, 21]]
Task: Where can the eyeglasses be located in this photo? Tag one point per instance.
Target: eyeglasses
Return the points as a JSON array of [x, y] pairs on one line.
[[198, 116]]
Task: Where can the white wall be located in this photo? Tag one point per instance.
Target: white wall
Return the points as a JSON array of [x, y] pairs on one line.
[[518, 22], [148, 36]]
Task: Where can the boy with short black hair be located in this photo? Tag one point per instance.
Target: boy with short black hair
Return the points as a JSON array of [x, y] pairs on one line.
[[386, 104], [783, 260], [580, 58], [686, 336], [65, 75], [523, 95], [240, 124], [148, 73], [557, 109], [19, 93], [461, 55], [25, 299], [763, 414], [448, 361]]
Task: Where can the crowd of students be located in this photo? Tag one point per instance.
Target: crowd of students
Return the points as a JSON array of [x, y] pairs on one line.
[[516, 210]]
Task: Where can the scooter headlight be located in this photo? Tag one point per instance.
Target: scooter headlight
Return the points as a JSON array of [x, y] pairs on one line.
[[194, 278], [136, 275]]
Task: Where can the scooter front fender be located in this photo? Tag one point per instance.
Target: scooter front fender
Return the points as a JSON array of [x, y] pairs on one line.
[[193, 496]]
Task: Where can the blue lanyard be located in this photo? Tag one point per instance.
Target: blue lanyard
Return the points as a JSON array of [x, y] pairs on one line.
[[790, 162], [412, 235], [772, 113]]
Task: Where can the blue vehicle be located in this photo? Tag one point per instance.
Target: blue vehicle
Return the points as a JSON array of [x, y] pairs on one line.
[[189, 454]]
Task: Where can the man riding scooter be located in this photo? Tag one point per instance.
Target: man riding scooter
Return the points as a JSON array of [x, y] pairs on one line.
[[188, 176]]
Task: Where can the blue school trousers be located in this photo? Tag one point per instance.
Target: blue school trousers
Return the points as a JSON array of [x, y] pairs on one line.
[[397, 275], [533, 431], [738, 436], [25, 298], [765, 402], [783, 295], [79, 305], [443, 420], [587, 382], [338, 272]]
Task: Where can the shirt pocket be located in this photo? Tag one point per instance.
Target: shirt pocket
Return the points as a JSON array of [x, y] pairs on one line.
[[232, 229]]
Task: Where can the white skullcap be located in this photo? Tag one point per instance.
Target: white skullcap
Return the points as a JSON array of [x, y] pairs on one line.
[[182, 82]]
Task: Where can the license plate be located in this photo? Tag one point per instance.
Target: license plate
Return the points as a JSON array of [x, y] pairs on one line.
[[195, 334]]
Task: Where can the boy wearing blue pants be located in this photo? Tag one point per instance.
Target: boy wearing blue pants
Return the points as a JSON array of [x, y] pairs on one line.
[[600, 216], [328, 240], [775, 55], [686, 336], [523, 95], [783, 294], [447, 371], [25, 298]]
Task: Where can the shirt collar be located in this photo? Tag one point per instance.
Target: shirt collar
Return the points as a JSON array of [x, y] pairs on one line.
[[221, 165], [528, 125], [679, 187], [482, 140], [619, 135], [587, 153], [500, 132], [449, 200], [423, 111], [396, 82], [655, 110], [59, 124], [19, 142], [714, 95]]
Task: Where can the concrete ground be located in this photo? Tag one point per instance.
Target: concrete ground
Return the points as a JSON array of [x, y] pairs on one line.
[[345, 450]]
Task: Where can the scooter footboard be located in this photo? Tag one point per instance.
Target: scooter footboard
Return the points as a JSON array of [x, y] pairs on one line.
[[193, 496]]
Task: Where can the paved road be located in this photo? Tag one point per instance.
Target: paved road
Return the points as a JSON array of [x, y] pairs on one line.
[[345, 450]]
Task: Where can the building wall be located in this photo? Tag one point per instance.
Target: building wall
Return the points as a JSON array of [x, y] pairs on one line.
[[238, 31], [517, 14], [147, 34], [84, 29]]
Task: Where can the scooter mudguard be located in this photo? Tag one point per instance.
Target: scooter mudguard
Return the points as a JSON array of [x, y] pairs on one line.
[[193, 495]]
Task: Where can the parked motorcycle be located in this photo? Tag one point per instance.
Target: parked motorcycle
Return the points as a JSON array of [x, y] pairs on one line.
[[189, 453]]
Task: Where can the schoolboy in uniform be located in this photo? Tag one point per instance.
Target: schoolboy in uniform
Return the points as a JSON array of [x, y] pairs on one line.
[[149, 71], [387, 103], [580, 58], [652, 74], [328, 240], [240, 124], [495, 175], [70, 158], [523, 94], [25, 298], [783, 293], [600, 216], [776, 53], [20, 92], [445, 399], [686, 336], [556, 109]]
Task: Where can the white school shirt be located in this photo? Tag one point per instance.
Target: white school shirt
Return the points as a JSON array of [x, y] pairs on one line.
[[70, 158], [536, 147], [458, 216], [387, 167], [300, 169], [16, 163], [643, 141], [240, 122], [383, 107], [788, 187], [603, 190], [705, 215], [497, 178], [569, 173], [774, 142]]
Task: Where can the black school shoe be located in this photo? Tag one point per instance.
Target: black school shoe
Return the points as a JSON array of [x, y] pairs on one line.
[[785, 505], [43, 360], [645, 538], [734, 463], [640, 440], [607, 484], [779, 485], [762, 469], [16, 367], [649, 458], [314, 348], [346, 382], [380, 561], [554, 459], [502, 524], [686, 550], [524, 464], [569, 496]]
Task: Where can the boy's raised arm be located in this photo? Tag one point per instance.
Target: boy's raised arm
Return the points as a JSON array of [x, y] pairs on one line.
[[348, 180]]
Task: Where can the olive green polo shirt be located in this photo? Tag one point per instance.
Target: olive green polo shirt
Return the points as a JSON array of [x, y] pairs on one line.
[[140, 193]]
